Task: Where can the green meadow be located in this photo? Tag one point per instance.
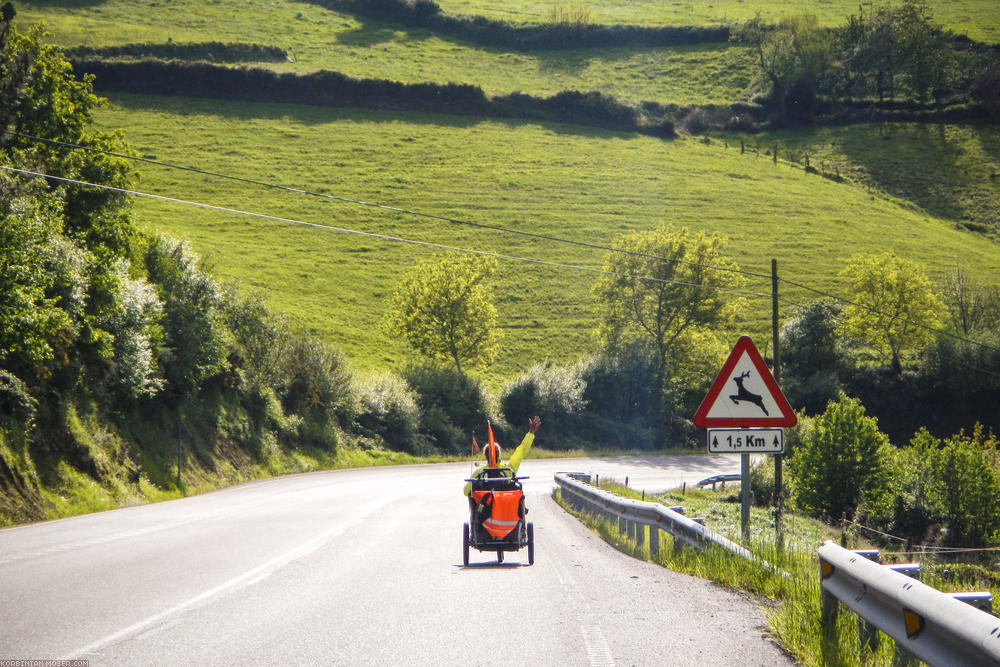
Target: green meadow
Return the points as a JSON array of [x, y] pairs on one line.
[[574, 183], [318, 39], [923, 191], [977, 19]]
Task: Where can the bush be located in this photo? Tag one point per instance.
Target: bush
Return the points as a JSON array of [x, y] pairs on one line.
[[966, 486], [452, 404], [317, 387], [195, 336], [841, 457], [17, 406], [209, 51], [133, 322], [389, 410], [554, 393]]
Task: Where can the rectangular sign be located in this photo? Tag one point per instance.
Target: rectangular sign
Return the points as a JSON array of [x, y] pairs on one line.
[[746, 440]]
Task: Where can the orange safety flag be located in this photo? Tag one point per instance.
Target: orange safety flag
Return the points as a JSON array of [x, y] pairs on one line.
[[475, 445], [491, 447]]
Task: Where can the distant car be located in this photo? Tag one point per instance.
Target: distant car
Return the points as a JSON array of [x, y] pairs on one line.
[[497, 516]]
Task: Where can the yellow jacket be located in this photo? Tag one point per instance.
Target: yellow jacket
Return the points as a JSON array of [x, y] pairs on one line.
[[514, 463]]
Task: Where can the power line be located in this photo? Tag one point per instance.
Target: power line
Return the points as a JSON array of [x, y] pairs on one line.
[[383, 207], [458, 221], [383, 237]]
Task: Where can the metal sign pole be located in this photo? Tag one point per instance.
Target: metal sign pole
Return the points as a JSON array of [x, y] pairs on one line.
[[745, 496]]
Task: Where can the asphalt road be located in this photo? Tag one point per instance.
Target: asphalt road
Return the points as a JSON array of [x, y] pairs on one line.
[[362, 567]]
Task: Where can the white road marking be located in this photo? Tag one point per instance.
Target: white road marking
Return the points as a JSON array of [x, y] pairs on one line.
[[598, 651], [256, 574]]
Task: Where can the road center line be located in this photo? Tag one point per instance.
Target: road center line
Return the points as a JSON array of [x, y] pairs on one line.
[[261, 571]]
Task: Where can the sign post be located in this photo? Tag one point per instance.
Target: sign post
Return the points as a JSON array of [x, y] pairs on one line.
[[744, 411]]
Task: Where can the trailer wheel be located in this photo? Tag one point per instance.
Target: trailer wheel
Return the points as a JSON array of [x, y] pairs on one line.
[[465, 544], [531, 543]]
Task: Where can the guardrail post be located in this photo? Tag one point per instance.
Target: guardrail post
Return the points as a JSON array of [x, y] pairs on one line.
[[622, 526], [640, 534], [868, 634], [829, 607]]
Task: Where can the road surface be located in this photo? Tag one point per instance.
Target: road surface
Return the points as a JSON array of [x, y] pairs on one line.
[[362, 567]]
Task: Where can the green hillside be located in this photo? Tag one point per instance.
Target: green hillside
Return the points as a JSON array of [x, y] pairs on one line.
[[979, 20], [580, 184]]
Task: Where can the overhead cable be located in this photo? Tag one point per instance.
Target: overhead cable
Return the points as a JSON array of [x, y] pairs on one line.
[[383, 207], [383, 237]]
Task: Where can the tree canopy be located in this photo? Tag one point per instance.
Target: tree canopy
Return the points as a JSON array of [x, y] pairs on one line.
[[662, 285], [444, 310], [893, 309]]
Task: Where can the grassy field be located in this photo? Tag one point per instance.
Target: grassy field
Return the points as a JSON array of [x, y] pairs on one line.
[[320, 39], [976, 18], [560, 180], [123, 21]]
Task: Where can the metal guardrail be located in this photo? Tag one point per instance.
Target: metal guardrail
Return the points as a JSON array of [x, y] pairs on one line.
[[719, 479], [638, 514], [935, 627]]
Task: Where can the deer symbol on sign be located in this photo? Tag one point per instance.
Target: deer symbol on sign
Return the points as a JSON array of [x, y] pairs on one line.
[[743, 394]]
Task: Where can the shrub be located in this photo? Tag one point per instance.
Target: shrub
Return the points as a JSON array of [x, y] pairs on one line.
[[966, 486], [840, 459], [133, 322], [194, 334], [452, 404], [389, 410], [17, 406], [317, 387], [554, 393]]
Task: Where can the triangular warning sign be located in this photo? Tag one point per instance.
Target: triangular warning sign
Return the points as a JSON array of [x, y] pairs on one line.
[[744, 395]]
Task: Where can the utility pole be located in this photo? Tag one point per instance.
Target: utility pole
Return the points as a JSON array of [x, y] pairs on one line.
[[776, 372]]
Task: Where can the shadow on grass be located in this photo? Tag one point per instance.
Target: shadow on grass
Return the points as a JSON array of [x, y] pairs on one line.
[[936, 168], [320, 115]]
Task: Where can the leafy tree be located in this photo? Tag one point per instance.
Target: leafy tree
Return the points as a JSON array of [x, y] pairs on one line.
[[897, 47], [660, 286], [894, 307], [840, 458], [812, 358], [48, 102], [973, 307], [792, 57], [444, 311], [29, 317], [966, 473]]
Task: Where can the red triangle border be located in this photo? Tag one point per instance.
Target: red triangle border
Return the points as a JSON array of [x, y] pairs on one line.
[[744, 346]]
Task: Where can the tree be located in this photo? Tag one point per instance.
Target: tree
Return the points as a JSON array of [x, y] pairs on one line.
[[792, 58], [444, 310], [660, 286], [893, 309], [966, 474], [812, 361], [973, 307], [842, 456]]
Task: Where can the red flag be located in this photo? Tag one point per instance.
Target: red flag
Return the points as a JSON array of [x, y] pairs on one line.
[[475, 445]]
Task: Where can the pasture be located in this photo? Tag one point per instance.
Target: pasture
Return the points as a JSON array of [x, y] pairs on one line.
[[565, 181]]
